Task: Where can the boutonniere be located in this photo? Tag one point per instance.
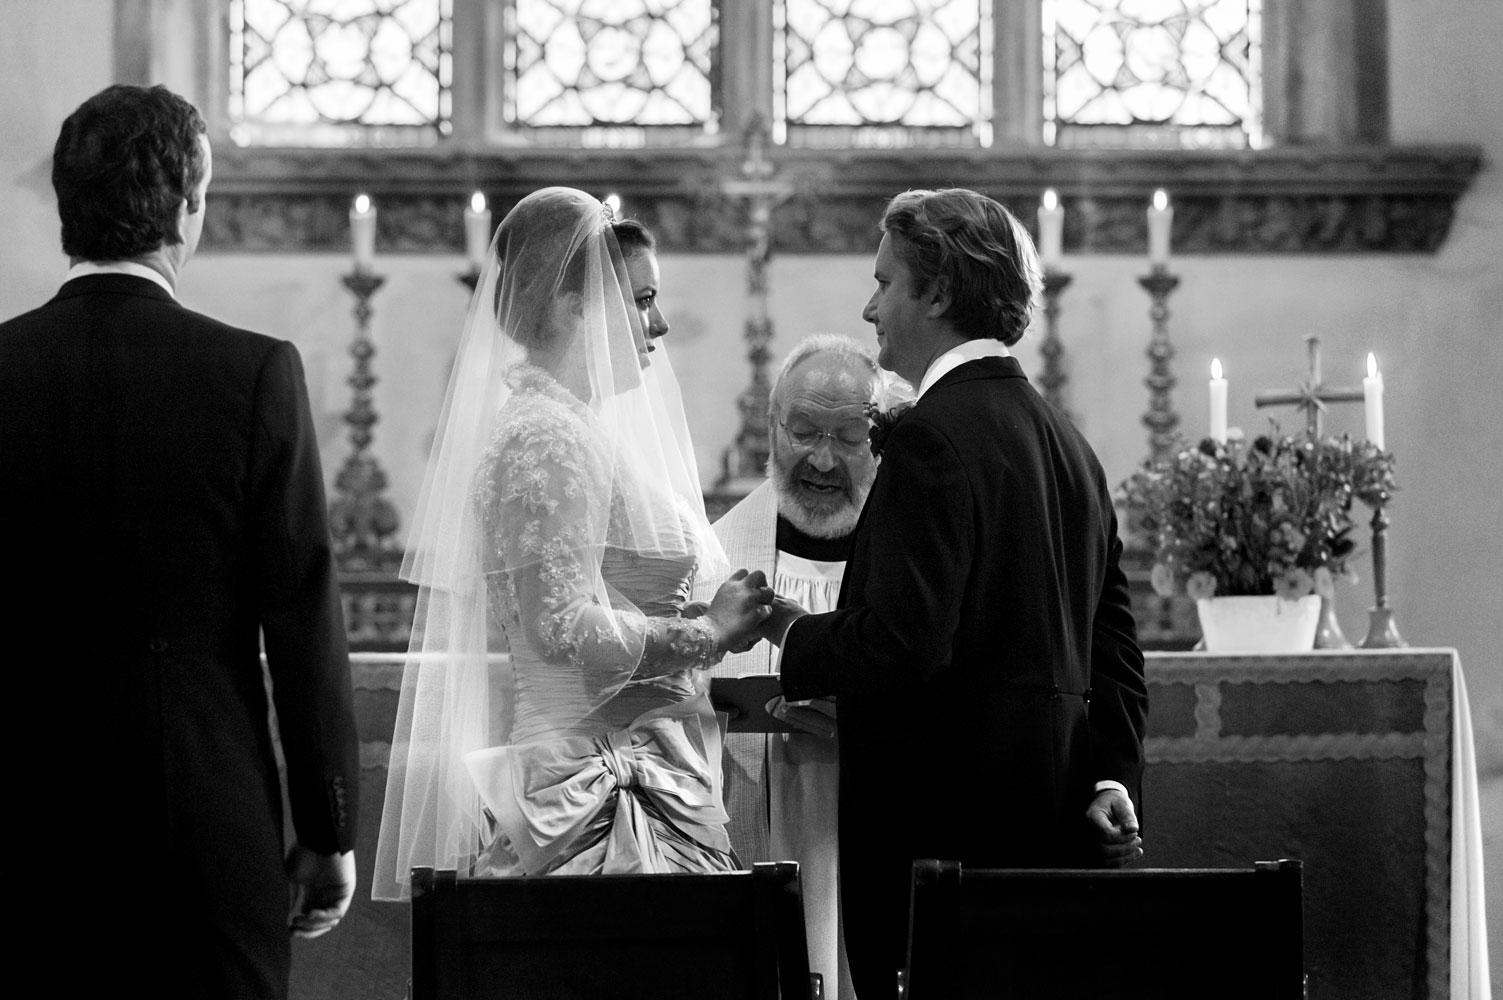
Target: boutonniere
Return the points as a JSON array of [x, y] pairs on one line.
[[893, 398]]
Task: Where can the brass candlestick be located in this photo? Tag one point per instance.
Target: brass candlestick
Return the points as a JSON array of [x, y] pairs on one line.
[[1053, 377], [1382, 632], [362, 521], [1160, 419]]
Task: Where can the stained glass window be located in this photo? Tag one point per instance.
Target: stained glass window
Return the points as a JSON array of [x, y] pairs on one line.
[[882, 72], [605, 69], [1153, 73], [340, 72]]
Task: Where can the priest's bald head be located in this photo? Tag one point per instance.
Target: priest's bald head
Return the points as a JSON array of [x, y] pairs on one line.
[[822, 465]]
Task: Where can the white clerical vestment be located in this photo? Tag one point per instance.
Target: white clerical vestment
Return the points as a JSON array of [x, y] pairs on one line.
[[803, 788], [782, 789]]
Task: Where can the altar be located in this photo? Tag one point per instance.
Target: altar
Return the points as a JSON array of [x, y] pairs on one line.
[[1359, 763]]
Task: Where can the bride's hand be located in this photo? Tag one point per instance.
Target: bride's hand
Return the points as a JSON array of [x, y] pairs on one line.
[[739, 608]]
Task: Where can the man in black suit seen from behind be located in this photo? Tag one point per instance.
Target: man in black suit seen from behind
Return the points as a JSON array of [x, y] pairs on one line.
[[162, 497], [984, 656]]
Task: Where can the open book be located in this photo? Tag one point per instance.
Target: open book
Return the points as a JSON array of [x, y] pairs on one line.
[[755, 704]]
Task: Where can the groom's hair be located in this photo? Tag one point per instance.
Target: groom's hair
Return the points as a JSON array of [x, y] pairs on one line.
[[979, 253], [123, 163]]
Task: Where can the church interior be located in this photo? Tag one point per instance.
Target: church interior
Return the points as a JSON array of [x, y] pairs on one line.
[[1353, 196]]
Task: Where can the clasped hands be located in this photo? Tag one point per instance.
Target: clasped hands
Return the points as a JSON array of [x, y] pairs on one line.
[[746, 610]]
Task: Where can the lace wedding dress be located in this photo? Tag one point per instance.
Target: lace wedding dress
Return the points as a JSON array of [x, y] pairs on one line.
[[613, 759]]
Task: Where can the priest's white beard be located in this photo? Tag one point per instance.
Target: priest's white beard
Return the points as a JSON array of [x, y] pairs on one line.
[[819, 517]]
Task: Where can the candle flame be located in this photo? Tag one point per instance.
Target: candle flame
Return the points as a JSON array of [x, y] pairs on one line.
[[1215, 368], [1372, 365], [1161, 199], [362, 203], [477, 202], [613, 201], [1051, 199]]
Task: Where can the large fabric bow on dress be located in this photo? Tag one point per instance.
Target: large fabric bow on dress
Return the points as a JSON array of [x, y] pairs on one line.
[[589, 804]]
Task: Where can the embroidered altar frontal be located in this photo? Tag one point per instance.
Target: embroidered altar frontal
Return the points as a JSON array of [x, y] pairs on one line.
[[1342, 759]]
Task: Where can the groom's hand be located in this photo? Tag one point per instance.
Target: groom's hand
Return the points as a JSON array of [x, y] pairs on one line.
[[325, 885], [784, 614], [1115, 825]]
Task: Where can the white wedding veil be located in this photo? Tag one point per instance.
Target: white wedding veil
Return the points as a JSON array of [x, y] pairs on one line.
[[552, 363]]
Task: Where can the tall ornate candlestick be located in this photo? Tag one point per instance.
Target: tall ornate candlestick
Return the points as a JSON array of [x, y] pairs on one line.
[[1053, 378], [1382, 633], [1160, 419], [362, 521]]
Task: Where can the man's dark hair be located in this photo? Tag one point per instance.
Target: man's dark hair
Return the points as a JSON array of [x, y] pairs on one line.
[[977, 250], [633, 238], [123, 163]]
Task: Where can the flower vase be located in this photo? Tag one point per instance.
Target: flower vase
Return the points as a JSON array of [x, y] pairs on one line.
[[1328, 634], [1259, 624]]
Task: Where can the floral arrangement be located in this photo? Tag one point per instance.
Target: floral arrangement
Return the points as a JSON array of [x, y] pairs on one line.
[[1270, 517], [891, 398]]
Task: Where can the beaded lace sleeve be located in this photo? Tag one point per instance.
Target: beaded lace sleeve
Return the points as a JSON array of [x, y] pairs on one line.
[[544, 494]]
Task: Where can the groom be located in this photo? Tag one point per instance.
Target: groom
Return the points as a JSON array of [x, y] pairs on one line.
[[992, 700], [164, 509]]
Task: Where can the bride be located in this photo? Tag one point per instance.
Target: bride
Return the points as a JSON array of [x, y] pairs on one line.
[[561, 520]]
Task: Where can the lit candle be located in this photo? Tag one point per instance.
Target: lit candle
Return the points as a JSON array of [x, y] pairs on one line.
[[1372, 397], [612, 201], [1051, 230], [363, 232], [477, 230], [1160, 217], [1218, 403]]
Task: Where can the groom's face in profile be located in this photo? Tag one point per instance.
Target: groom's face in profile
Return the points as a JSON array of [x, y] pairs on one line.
[[899, 311], [822, 465]]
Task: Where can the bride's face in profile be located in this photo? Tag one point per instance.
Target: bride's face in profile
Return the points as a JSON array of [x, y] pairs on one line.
[[642, 271]]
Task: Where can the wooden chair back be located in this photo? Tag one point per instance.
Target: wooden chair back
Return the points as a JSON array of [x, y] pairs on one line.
[[560, 937], [1166, 934]]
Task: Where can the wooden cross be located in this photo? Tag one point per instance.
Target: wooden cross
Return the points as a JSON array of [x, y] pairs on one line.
[[1313, 395]]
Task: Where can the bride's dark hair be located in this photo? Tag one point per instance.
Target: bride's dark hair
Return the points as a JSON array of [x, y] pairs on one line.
[[633, 238]]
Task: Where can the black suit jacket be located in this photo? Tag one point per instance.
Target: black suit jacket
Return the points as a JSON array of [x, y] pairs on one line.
[[984, 654], [161, 493]]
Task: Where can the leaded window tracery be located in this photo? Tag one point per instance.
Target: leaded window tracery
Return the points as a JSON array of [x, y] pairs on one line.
[[826, 73], [1153, 73], [340, 72], [611, 64], [882, 72]]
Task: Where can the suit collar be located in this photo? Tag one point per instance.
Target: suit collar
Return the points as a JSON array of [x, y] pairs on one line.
[[962, 353], [113, 284], [981, 368]]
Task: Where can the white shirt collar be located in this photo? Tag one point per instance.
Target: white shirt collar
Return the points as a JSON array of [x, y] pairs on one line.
[[84, 267], [971, 350]]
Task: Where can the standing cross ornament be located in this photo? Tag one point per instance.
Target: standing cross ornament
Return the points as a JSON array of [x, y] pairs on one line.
[[1313, 395], [763, 190]]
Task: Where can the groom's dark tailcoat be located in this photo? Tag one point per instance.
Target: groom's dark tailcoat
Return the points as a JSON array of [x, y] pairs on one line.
[[984, 655], [162, 502]]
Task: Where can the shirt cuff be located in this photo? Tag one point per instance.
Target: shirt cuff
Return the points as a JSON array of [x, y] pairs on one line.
[[1102, 786]]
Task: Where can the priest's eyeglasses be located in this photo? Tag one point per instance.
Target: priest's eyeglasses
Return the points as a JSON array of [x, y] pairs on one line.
[[807, 438]]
